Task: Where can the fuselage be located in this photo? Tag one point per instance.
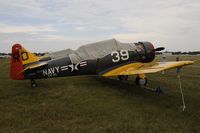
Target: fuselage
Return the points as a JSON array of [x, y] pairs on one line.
[[65, 67]]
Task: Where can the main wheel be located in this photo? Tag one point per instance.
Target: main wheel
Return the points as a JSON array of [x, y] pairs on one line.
[[123, 77], [141, 81]]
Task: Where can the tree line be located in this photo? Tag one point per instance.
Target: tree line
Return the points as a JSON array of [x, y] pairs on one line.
[[180, 53], [158, 53]]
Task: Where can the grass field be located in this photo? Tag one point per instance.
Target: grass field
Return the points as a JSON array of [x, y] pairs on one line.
[[96, 104]]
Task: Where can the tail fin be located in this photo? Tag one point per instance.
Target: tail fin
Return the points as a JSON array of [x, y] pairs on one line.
[[19, 58]]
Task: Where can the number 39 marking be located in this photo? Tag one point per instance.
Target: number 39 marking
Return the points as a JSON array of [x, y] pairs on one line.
[[121, 55]]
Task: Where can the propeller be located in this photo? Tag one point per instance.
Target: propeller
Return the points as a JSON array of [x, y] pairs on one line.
[[159, 49]]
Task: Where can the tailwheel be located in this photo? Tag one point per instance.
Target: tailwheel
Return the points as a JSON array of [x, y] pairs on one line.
[[141, 80], [33, 84], [123, 77]]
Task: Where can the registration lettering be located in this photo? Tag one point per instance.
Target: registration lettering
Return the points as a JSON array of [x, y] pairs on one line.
[[51, 72], [119, 55]]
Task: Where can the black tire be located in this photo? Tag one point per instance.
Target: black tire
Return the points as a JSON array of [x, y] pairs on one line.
[[123, 77], [141, 81]]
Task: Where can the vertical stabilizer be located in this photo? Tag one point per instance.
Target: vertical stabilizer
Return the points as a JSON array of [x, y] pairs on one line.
[[20, 57]]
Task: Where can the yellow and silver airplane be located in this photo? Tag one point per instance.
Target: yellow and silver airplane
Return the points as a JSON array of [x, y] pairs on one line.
[[106, 58]]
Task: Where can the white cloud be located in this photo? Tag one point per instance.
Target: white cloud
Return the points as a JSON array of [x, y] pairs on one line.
[[173, 23], [80, 28], [137, 36], [25, 29]]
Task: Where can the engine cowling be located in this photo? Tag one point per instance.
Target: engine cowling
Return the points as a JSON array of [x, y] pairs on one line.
[[148, 51]]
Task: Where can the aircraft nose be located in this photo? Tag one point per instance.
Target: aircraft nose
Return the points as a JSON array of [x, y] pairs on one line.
[[149, 51]]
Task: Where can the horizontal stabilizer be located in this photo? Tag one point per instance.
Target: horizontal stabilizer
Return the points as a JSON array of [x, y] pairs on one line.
[[36, 65]]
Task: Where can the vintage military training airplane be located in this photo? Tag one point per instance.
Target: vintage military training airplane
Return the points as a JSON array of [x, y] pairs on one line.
[[106, 58]]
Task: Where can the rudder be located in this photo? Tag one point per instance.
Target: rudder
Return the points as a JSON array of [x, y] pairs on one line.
[[19, 58]]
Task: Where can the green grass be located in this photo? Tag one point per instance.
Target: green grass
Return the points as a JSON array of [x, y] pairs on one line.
[[97, 104]]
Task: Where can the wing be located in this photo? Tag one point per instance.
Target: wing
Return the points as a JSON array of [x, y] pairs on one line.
[[143, 68]]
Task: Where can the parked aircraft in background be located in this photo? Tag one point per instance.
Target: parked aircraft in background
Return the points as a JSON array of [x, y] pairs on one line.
[[106, 58]]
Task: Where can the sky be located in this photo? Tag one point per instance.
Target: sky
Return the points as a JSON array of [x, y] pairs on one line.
[[51, 25]]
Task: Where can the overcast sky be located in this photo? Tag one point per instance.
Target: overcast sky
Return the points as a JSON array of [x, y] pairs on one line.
[[50, 25]]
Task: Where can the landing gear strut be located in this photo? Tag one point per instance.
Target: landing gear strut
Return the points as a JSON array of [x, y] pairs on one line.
[[33, 84], [123, 77], [141, 80]]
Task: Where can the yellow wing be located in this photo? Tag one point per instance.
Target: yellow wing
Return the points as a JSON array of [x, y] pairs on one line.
[[143, 68]]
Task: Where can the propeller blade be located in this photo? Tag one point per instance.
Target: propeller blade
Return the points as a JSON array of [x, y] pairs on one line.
[[159, 49]]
